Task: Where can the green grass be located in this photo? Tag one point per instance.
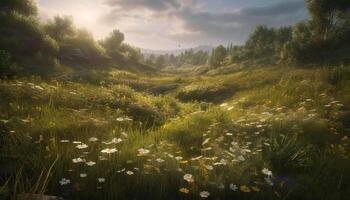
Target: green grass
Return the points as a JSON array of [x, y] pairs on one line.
[[221, 129]]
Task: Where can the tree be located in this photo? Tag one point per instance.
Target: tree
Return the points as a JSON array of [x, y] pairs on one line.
[[160, 61], [113, 42], [326, 16], [60, 28], [131, 53], [23, 7], [261, 42], [217, 57], [22, 37]]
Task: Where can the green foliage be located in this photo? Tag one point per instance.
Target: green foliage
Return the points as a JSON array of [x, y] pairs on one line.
[[328, 17], [217, 56], [133, 54], [113, 42], [60, 28], [27, 43], [189, 57], [7, 67], [24, 7]]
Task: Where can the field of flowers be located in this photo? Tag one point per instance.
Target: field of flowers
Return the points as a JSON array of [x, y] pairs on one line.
[[280, 134]]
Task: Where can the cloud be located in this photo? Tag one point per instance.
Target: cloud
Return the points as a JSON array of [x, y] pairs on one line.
[[236, 26], [155, 5], [194, 22]]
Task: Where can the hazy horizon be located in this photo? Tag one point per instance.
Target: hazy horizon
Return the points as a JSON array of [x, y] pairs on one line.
[[145, 23]]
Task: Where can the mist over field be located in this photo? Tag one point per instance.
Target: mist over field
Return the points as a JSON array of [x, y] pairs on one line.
[[174, 99]]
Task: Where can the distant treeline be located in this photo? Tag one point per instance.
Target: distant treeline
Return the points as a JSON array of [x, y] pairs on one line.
[[30, 47], [324, 38], [188, 57]]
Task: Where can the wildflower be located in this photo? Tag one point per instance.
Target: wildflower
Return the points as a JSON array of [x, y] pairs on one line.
[[233, 187], [230, 108], [206, 141], [256, 188], [266, 144], [124, 134], [189, 178], [120, 119], [204, 194], [196, 158], [178, 158], [241, 158], [109, 151], [93, 139], [101, 180], [159, 160], [223, 105], [102, 158], [244, 188], [38, 87], [143, 151], [266, 172], [113, 141], [64, 181], [184, 190], [76, 142], [83, 175], [207, 149], [233, 143], [90, 163], [122, 170], [78, 160], [64, 141], [130, 173], [116, 140], [82, 146], [229, 134]]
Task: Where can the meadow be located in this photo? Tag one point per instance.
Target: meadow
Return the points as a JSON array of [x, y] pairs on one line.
[[255, 133]]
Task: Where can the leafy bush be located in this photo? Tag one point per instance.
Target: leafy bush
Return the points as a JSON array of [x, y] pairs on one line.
[[7, 67]]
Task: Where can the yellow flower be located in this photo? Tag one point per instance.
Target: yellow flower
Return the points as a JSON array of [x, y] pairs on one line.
[[184, 162], [184, 190], [256, 189], [244, 188]]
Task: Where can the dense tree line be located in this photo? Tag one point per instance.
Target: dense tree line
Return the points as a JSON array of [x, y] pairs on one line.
[[324, 38], [188, 57], [28, 46]]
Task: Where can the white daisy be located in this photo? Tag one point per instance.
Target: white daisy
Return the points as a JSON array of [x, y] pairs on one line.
[[101, 180], [130, 173], [64, 181], [82, 146], [90, 163], [109, 151], [233, 187], [189, 178], [78, 160], [204, 194], [93, 139], [83, 175]]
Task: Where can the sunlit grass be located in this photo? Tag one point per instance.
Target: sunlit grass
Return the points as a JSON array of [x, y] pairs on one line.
[[273, 137]]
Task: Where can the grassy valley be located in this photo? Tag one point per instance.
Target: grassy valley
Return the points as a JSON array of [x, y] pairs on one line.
[[88, 119]]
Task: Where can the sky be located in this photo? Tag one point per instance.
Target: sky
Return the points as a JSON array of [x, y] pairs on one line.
[[175, 24]]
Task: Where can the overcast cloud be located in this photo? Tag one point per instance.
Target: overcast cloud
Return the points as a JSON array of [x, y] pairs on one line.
[[168, 24]]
